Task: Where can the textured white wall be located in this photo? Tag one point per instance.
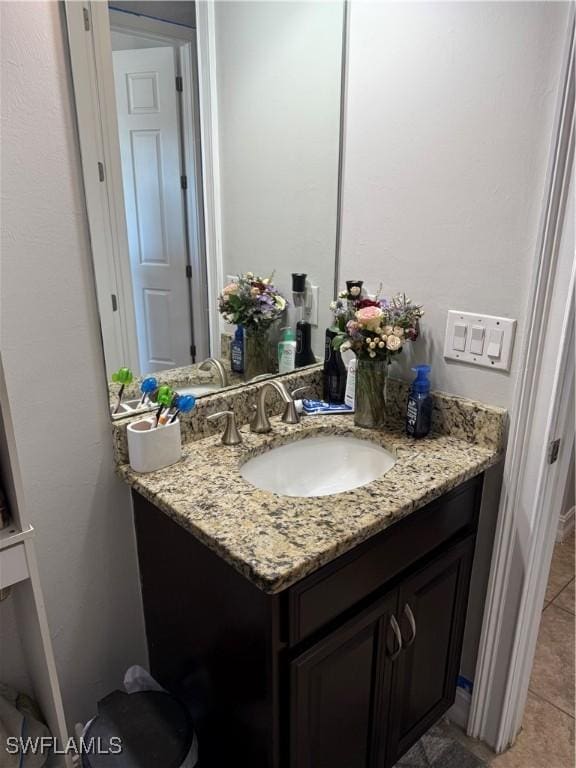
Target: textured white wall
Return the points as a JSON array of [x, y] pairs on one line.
[[449, 122], [55, 373], [279, 72]]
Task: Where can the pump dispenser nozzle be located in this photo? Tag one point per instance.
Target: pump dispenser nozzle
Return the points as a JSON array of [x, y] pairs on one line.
[[421, 383]]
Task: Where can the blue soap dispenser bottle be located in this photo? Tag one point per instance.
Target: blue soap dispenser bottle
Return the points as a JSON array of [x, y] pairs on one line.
[[419, 408], [237, 351]]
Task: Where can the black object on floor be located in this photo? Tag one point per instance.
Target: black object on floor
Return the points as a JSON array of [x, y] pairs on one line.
[[437, 750], [153, 728]]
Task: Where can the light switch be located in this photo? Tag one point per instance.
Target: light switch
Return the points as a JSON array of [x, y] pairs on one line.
[[495, 343], [477, 340], [459, 337]]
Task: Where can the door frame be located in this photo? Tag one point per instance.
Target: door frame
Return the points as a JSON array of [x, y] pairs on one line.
[[88, 25], [102, 174], [527, 521], [211, 184]]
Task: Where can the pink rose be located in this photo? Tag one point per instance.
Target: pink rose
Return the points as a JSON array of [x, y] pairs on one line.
[[230, 288], [369, 317]]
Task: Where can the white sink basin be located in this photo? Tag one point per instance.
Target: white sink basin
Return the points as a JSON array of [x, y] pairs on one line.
[[198, 390], [318, 466]]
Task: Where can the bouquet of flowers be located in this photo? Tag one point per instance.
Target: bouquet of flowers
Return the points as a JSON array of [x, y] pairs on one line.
[[374, 328], [251, 301]]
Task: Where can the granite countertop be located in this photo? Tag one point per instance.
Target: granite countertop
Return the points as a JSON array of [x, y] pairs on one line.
[[275, 540]]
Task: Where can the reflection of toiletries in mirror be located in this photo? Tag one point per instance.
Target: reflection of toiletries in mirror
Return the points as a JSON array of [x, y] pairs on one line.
[[237, 350], [304, 354], [350, 394], [149, 385], [287, 351], [123, 376], [334, 370], [419, 408]]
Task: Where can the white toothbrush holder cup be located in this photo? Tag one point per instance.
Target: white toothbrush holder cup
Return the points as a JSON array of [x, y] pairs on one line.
[[151, 447]]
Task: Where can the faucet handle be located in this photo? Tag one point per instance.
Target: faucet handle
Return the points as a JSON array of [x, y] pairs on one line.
[[291, 415], [300, 390], [231, 435]]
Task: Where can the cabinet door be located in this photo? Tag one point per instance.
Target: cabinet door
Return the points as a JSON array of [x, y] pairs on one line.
[[432, 612], [337, 691]]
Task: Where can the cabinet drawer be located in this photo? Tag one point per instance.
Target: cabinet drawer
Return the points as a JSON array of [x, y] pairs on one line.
[[338, 586]]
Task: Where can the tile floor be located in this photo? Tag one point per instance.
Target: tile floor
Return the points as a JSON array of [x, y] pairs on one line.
[[547, 736]]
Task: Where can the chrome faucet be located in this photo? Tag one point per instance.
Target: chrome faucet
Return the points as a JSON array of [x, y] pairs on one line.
[[261, 423], [212, 362]]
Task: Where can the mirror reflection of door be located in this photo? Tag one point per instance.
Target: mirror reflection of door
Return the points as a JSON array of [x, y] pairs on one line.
[[149, 134]]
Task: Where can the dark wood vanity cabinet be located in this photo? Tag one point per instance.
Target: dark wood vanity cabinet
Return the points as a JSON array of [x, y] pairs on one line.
[[345, 669], [367, 691]]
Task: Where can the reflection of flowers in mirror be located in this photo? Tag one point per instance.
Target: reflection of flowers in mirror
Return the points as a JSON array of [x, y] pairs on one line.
[[251, 301]]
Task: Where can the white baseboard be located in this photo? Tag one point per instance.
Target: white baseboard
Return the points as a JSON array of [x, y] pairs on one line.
[[460, 710], [566, 524]]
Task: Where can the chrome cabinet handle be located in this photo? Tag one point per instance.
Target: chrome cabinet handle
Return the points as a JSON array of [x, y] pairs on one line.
[[398, 635], [412, 622]]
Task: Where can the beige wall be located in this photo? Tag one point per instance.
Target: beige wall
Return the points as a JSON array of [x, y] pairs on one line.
[[54, 368], [449, 123]]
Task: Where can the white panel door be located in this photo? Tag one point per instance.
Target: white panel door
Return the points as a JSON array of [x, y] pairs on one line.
[[148, 126]]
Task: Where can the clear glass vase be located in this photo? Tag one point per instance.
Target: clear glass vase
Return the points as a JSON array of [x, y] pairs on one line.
[[371, 384], [258, 358]]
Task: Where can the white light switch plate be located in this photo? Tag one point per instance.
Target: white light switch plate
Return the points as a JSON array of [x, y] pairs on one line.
[[490, 323]]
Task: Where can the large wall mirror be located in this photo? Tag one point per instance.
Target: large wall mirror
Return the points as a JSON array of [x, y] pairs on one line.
[[210, 137]]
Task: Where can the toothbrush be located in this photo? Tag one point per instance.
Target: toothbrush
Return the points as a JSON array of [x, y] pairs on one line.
[[184, 404], [164, 396], [148, 386], [123, 376], [173, 404]]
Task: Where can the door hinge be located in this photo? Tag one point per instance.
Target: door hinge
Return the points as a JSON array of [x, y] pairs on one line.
[[188, 271], [193, 353], [184, 182], [179, 84], [86, 16], [553, 451], [101, 171], [114, 302]]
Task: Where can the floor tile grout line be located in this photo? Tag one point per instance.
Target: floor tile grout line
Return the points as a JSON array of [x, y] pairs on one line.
[[557, 594], [544, 699], [559, 607], [565, 587]]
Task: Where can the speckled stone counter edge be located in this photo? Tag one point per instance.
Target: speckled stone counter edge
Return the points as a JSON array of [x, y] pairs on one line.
[[275, 543]]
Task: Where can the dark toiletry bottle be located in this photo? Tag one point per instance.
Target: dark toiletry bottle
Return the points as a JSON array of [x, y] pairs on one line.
[[334, 371], [304, 353], [419, 408], [237, 351]]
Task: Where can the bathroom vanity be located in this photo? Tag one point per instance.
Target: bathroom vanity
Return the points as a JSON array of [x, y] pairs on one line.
[[344, 669], [319, 632]]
